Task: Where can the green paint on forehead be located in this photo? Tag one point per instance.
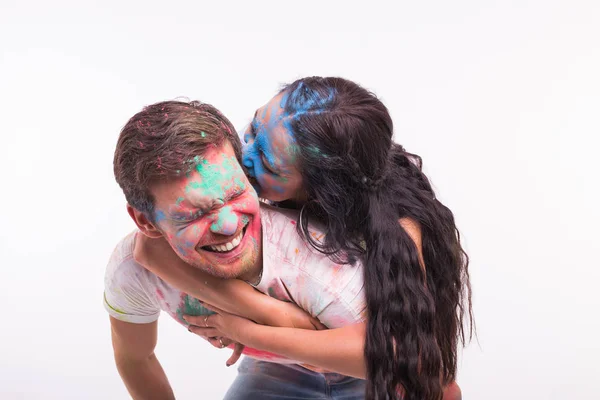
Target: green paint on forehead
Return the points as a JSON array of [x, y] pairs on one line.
[[216, 178], [179, 200]]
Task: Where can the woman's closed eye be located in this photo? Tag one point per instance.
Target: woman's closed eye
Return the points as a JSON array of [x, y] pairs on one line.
[[249, 132], [267, 165]]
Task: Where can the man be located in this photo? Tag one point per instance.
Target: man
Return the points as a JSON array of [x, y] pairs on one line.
[[178, 166]]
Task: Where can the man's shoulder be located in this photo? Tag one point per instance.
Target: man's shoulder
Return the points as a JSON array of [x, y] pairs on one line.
[[121, 266], [271, 214], [129, 289], [280, 227]]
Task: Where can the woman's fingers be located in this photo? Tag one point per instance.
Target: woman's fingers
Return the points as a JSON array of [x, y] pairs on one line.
[[198, 320], [237, 353], [204, 332], [219, 342], [212, 308]]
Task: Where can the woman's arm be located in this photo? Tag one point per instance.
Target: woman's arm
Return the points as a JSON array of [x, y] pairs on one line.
[[232, 295], [339, 350]]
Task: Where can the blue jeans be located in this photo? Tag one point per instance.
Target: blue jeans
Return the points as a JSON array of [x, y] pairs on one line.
[[259, 380]]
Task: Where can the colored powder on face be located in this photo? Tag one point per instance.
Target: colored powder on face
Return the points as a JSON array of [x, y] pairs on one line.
[[215, 178], [179, 200], [226, 223], [292, 150], [182, 251], [278, 188], [159, 216], [240, 183]]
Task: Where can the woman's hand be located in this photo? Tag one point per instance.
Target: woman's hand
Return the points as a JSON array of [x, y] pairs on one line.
[[222, 324], [213, 336], [221, 330]]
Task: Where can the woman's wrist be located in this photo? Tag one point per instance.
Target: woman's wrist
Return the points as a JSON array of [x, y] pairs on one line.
[[253, 335]]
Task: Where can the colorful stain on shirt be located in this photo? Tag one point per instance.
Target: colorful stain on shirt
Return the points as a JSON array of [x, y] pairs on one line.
[[190, 306]]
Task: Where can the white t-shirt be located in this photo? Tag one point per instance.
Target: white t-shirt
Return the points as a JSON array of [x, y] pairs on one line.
[[292, 271]]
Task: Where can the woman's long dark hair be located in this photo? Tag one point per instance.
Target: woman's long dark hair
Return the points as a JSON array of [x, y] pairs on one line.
[[360, 184]]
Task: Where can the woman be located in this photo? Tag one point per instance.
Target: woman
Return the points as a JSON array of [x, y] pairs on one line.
[[325, 145]]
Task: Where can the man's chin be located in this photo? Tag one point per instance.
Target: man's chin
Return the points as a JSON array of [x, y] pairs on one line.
[[222, 271]]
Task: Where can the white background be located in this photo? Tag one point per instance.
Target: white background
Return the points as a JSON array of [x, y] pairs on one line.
[[501, 98]]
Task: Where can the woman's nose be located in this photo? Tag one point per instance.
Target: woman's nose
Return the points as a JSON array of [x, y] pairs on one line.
[[247, 159]]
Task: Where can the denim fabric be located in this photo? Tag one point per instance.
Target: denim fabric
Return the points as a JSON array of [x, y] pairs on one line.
[[259, 380]]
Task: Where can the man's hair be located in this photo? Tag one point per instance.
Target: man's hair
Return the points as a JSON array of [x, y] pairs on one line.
[[158, 143]]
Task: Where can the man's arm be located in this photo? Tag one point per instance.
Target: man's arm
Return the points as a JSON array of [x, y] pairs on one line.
[[231, 295], [133, 346]]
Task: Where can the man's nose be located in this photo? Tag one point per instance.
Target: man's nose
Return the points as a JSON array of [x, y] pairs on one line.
[[226, 222]]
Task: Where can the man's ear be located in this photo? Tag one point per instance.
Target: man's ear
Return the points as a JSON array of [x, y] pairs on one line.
[[143, 223]]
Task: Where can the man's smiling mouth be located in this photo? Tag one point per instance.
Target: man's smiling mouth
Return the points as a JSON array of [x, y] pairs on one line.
[[227, 246]]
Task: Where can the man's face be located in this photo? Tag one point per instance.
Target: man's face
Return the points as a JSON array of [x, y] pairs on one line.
[[210, 216]]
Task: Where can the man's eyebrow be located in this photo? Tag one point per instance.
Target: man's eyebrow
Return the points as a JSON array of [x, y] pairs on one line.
[[185, 214]]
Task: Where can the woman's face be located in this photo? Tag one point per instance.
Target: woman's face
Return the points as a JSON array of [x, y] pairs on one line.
[[271, 153]]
